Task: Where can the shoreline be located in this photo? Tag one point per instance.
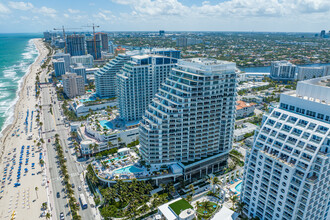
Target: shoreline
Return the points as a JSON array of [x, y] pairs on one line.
[[23, 84]]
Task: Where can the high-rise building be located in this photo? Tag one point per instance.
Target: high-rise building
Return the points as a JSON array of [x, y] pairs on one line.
[[90, 44], [105, 84], [76, 44], [59, 67], [168, 52], [111, 48], [66, 58], [138, 81], [191, 118], [47, 36], [85, 60], [287, 170], [312, 72], [80, 70], [322, 34], [73, 85], [181, 42], [103, 37], [283, 71]]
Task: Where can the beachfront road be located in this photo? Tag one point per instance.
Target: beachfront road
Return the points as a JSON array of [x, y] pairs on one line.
[[54, 124]]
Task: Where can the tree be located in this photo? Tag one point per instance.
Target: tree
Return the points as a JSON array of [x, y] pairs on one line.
[[240, 207], [48, 215], [197, 205], [192, 189], [36, 189], [206, 206], [234, 200], [44, 206]]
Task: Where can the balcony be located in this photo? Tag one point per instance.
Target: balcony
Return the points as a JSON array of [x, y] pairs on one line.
[[312, 179]]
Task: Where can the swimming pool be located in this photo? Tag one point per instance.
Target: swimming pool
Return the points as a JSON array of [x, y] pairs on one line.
[[129, 169], [107, 124], [238, 187], [116, 158], [89, 99]]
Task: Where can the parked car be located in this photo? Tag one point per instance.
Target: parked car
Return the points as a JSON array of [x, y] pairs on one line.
[[58, 195]]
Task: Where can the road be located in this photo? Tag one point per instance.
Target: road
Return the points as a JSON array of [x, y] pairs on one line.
[[53, 123]]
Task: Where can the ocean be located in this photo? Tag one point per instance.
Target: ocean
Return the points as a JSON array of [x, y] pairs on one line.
[[17, 53]]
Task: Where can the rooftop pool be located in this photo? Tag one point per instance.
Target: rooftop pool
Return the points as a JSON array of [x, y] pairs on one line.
[[129, 169], [107, 124], [88, 100], [114, 159], [238, 187]]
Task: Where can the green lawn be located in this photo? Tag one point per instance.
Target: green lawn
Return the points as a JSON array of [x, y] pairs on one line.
[[180, 205], [200, 210]]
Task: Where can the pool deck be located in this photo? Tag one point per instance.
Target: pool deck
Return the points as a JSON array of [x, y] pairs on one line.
[[232, 187]]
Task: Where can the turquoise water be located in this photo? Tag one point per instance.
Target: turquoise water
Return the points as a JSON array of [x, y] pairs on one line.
[[107, 124], [238, 187], [88, 100], [17, 53], [116, 158], [129, 169]]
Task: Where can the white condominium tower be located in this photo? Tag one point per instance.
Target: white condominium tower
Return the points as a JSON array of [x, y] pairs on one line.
[[283, 71], [287, 171], [105, 83], [190, 120], [138, 82]]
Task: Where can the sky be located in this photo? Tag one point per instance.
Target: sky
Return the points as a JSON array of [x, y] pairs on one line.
[[168, 15]]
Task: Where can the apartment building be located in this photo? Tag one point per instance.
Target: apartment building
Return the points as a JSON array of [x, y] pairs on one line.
[[191, 118], [287, 171]]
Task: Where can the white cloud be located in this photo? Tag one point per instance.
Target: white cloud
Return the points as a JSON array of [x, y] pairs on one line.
[[47, 11], [241, 8], [66, 15], [4, 9], [24, 6], [73, 11]]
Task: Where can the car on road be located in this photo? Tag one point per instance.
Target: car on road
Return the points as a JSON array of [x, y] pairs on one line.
[[48, 140], [58, 195], [79, 188], [62, 216], [72, 185]]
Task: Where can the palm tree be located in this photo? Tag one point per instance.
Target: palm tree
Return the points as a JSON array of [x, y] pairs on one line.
[[192, 189], [234, 200], [197, 205], [240, 207], [206, 206], [44, 206], [48, 215], [36, 189]]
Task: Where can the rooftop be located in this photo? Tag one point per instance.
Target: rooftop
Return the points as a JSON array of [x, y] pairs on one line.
[[242, 104], [206, 65], [317, 90]]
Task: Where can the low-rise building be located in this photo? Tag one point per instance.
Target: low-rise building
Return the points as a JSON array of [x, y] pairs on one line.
[[240, 133], [83, 105], [244, 109], [105, 131], [305, 73], [170, 210]]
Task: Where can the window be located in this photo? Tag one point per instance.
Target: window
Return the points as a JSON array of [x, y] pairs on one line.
[[320, 116]]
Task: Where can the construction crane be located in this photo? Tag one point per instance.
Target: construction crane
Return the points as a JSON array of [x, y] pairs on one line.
[[94, 26], [63, 29]]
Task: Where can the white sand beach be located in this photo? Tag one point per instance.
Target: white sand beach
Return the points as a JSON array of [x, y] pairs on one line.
[[16, 165]]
